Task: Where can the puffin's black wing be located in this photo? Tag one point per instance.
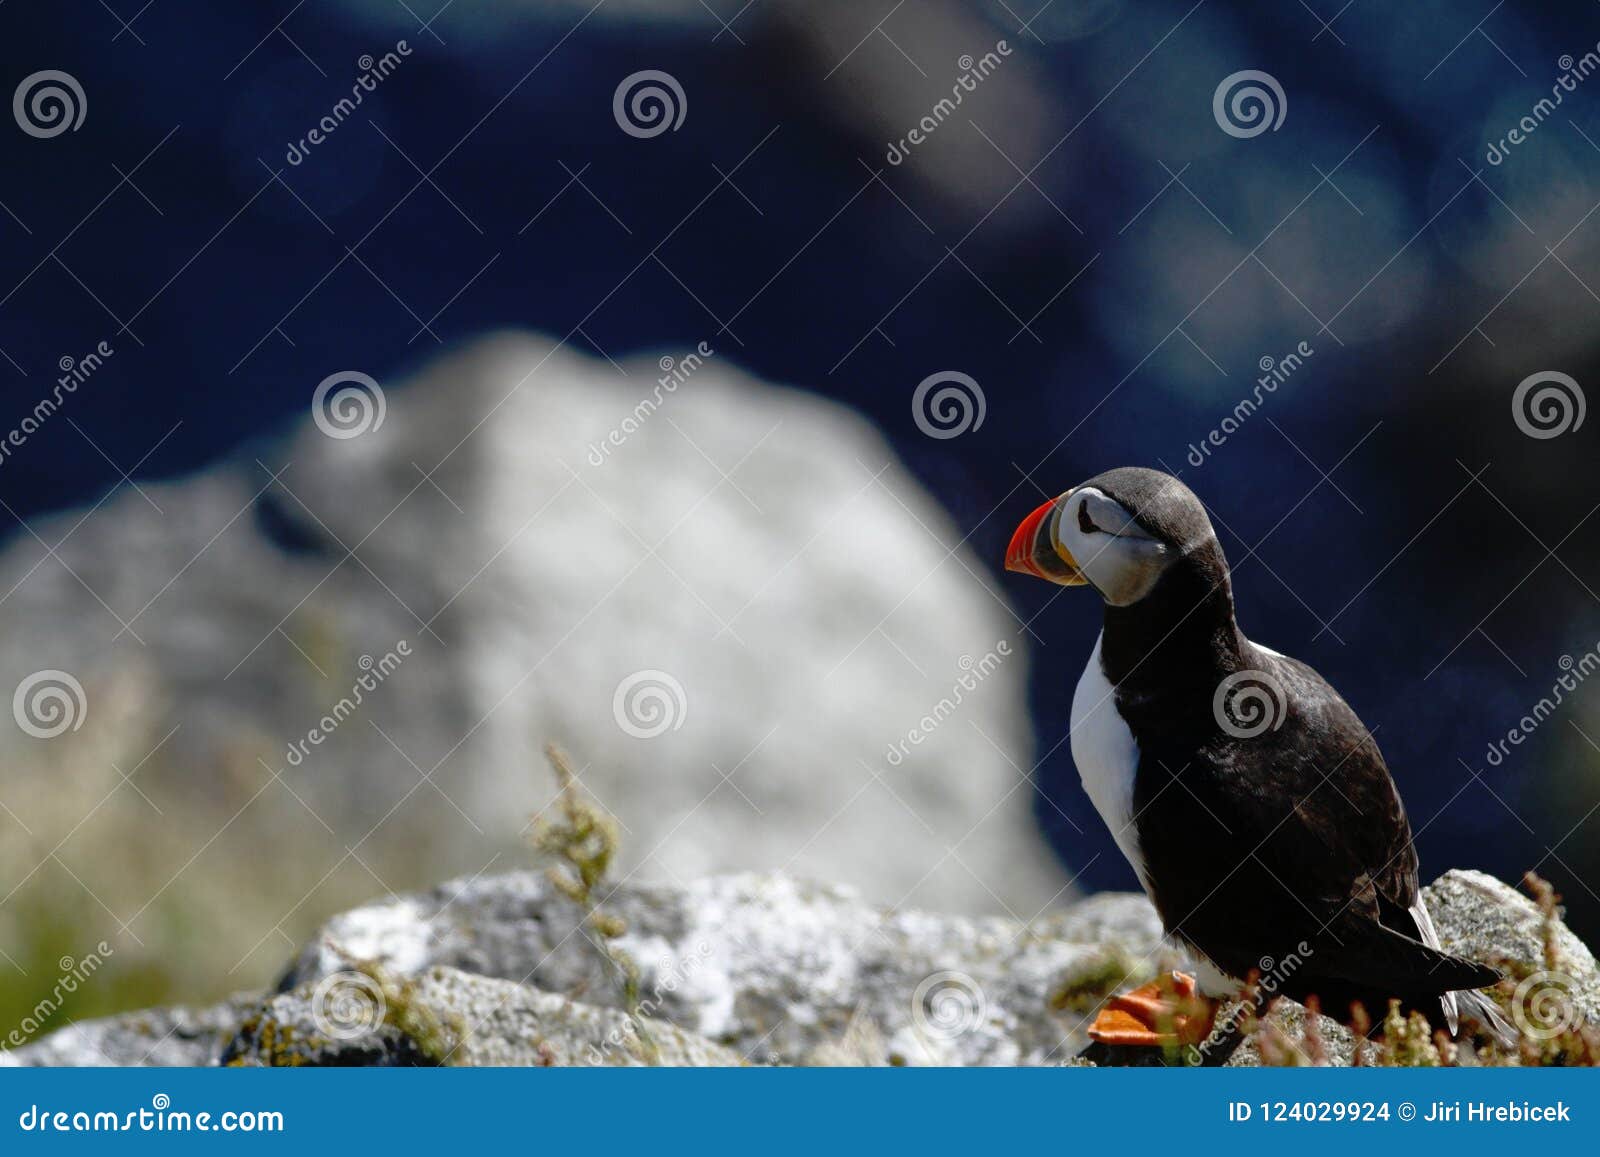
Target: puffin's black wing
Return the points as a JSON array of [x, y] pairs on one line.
[[1330, 771], [1292, 836]]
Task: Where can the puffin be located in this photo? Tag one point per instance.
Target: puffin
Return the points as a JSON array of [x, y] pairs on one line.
[[1250, 800]]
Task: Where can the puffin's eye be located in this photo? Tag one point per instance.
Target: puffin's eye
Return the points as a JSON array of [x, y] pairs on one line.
[[1085, 523]]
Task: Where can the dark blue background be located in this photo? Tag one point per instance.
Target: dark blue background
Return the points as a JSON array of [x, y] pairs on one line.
[[228, 296]]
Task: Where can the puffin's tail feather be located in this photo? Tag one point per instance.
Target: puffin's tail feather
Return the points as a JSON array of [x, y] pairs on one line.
[[1478, 1007], [1374, 955]]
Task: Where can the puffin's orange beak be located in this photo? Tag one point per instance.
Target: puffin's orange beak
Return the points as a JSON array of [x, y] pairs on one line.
[[1035, 547]]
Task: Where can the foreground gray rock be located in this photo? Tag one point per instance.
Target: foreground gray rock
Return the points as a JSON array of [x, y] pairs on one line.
[[772, 967], [1483, 919], [748, 969], [447, 1017], [158, 1038], [741, 969]]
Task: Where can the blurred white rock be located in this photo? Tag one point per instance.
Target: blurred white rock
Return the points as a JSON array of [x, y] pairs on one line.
[[744, 569]]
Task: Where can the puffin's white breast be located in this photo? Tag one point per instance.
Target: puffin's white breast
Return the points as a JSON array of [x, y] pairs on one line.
[[1107, 756]]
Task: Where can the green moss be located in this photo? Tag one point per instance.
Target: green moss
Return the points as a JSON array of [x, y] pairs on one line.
[[1084, 987]]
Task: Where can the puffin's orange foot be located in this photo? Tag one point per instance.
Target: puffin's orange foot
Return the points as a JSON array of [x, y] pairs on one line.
[[1167, 1011]]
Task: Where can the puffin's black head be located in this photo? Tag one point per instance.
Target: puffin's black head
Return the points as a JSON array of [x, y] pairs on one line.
[[1119, 532]]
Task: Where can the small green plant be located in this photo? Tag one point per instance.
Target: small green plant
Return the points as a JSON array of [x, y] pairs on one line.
[[400, 1005], [581, 839], [438, 1038], [1408, 1041], [379, 998]]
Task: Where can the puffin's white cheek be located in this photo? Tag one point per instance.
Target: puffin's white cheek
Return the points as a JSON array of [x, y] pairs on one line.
[[1124, 570]]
